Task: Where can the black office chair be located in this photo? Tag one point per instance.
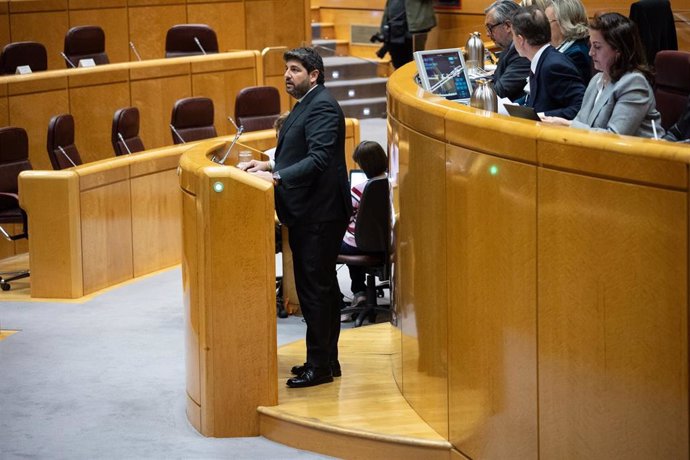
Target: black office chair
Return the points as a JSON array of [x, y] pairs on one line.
[[257, 107], [62, 151], [192, 120], [180, 40], [124, 134], [18, 54], [85, 42], [372, 235], [14, 158]]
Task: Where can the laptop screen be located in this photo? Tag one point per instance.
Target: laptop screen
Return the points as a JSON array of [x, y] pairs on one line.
[[357, 176], [443, 72]]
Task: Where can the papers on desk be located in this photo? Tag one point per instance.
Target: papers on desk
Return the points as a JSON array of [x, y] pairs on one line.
[[502, 101]]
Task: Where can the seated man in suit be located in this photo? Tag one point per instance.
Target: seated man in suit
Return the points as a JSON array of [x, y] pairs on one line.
[[512, 69], [555, 85], [680, 132]]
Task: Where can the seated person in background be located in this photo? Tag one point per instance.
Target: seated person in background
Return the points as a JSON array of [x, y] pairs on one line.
[[620, 98], [556, 87], [512, 69], [373, 161], [570, 34], [680, 132], [277, 125]]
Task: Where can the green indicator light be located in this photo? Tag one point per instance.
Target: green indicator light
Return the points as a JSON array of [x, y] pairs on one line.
[[218, 186], [493, 170]]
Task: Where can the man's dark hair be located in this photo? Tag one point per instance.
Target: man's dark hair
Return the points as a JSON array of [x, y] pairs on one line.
[[532, 24], [371, 158], [504, 10], [309, 58], [622, 34]]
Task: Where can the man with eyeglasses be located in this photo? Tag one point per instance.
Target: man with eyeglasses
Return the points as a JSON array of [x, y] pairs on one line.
[[512, 69]]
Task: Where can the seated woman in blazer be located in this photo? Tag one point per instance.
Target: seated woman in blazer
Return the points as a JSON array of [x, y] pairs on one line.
[[620, 98]]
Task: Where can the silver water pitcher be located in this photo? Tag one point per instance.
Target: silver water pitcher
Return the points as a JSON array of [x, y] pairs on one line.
[[484, 97], [475, 51]]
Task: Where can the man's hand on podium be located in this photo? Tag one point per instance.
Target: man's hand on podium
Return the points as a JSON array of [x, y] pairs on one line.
[[261, 169]]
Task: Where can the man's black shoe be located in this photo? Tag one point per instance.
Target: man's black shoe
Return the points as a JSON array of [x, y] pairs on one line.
[[310, 377], [335, 369]]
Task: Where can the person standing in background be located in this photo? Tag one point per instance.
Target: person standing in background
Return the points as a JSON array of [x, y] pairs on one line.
[[403, 28], [312, 198]]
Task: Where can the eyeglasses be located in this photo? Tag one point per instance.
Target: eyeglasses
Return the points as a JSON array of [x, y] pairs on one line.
[[490, 27]]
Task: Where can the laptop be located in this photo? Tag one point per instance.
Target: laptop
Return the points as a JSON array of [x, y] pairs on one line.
[[443, 72], [357, 176], [522, 111]]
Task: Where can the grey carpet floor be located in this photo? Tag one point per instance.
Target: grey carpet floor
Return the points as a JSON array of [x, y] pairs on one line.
[[106, 379]]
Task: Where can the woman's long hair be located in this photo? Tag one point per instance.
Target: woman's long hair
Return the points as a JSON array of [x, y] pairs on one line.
[[621, 33]]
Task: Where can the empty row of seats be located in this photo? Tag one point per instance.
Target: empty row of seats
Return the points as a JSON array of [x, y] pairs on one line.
[[83, 43], [256, 108]]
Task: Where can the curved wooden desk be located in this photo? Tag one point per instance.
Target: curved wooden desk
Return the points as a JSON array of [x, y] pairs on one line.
[[541, 283]]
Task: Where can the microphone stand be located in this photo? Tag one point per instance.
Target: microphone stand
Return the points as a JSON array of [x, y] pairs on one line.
[[64, 56], [177, 134], [66, 156], [232, 144], [198, 43], [122, 139]]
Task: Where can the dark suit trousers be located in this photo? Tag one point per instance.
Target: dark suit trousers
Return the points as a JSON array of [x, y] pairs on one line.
[[315, 248]]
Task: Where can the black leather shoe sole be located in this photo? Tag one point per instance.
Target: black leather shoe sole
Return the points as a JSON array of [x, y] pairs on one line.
[[335, 370]]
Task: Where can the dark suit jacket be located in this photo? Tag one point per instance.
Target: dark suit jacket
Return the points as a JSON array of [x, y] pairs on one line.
[[511, 74], [578, 52], [310, 158], [557, 88], [681, 130]]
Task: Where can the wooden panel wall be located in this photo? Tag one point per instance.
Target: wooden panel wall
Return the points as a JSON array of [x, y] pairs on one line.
[[239, 25], [93, 95]]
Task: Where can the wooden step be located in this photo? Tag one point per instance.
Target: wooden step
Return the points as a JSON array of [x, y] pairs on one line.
[[361, 414]]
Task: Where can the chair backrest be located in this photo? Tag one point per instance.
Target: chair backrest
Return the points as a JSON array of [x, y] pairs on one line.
[[655, 22], [192, 118], [85, 42], [672, 85], [126, 124], [179, 41], [372, 233], [257, 107], [61, 134], [14, 157], [18, 54]]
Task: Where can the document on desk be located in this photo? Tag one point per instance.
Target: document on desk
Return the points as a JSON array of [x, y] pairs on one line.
[[502, 101]]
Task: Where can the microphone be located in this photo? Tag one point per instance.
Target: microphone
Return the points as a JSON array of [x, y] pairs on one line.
[[134, 49], [66, 156], [177, 134], [453, 73], [233, 123], [64, 56], [232, 144], [122, 139], [198, 43]]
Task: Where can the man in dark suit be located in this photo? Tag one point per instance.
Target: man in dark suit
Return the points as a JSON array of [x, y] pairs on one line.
[[555, 85], [312, 198], [512, 70]]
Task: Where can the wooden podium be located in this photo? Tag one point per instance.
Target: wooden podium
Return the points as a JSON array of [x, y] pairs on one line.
[[228, 273]]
